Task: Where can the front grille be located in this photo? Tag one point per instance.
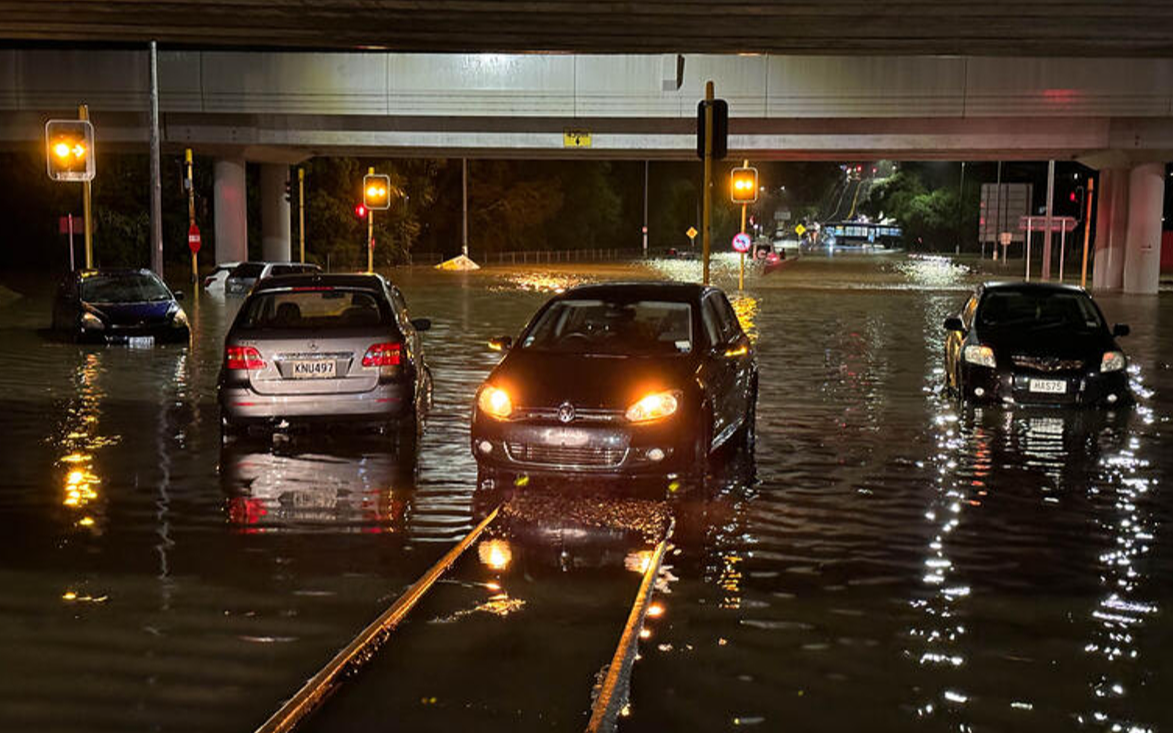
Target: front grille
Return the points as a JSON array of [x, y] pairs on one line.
[[580, 414], [551, 455], [1047, 363]]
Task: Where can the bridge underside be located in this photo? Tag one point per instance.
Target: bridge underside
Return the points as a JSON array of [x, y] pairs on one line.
[[1078, 28]]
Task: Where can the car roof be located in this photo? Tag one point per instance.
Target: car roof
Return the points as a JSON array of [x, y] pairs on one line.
[[321, 279], [111, 271], [652, 289], [1037, 287]]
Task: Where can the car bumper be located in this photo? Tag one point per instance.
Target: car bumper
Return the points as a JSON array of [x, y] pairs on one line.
[[124, 335], [1009, 386], [606, 450], [240, 404]]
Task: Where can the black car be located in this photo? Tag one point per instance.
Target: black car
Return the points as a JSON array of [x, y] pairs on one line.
[[119, 306], [1035, 343], [628, 379]]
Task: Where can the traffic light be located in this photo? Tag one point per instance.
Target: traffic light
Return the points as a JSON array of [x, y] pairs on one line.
[[743, 185], [288, 191], [69, 150], [376, 191], [360, 211], [720, 128]]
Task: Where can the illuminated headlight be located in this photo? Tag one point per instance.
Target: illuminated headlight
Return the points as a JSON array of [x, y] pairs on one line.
[[92, 322], [1113, 361], [980, 355], [654, 406], [178, 318], [495, 402]]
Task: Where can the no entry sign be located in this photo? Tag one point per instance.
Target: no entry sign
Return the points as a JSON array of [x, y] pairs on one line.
[[193, 238]]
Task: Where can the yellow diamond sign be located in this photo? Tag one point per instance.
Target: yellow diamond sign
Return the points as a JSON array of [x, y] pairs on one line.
[[800, 230], [692, 232]]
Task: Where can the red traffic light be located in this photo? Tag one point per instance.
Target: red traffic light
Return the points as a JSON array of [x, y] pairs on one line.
[[360, 211], [1072, 197]]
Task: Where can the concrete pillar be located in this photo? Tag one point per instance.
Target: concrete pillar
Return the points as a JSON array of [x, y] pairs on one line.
[[1146, 203], [231, 211], [275, 239], [1111, 228]]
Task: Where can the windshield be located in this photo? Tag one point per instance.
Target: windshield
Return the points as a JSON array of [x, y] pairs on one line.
[[1028, 312], [247, 270], [312, 309], [135, 287], [643, 327]]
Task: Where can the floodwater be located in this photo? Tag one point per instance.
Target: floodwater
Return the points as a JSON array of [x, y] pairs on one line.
[[885, 561]]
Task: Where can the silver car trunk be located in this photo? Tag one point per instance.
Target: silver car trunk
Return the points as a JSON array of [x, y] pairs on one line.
[[325, 361]]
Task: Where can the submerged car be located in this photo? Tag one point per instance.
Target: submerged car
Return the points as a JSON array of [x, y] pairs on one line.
[[245, 275], [122, 306], [321, 348], [627, 379], [1035, 343], [216, 279]]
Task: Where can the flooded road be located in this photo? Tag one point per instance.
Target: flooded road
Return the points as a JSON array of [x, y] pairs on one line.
[[885, 561]]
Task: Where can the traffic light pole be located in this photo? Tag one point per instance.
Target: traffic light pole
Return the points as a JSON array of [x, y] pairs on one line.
[[195, 265], [706, 235], [741, 270], [370, 232], [156, 173], [1087, 226], [83, 113], [301, 212]]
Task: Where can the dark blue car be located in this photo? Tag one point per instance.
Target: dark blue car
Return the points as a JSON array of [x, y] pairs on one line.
[[119, 306]]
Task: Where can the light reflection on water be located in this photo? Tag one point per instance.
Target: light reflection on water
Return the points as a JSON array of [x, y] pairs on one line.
[[891, 561]]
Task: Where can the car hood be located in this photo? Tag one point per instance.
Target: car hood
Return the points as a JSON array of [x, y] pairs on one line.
[[1061, 345], [545, 379], [131, 314]]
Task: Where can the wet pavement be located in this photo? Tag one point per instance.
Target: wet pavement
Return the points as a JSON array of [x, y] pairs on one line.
[[885, 561]]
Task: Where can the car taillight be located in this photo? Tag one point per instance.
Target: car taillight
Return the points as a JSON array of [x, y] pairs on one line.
[[382, 355], [243, 357]]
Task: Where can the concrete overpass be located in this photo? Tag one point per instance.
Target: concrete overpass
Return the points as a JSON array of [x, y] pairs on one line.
[[280, 107]]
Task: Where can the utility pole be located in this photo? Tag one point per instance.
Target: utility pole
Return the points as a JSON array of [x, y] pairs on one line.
[[83, 113], [960, 206], [301, 212], [370, 232], [741, 266], [645, 229], [1046, 270], [464, 206], [706, 215], [156, 182]]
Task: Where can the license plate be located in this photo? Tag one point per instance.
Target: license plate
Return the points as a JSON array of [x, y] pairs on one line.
[[1048, 386], [140, 342], [316, 369], [565, 437]]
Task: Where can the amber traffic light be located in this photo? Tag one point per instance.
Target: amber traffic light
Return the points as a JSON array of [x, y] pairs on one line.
[[743, 185], [376, 191], [69, 150]]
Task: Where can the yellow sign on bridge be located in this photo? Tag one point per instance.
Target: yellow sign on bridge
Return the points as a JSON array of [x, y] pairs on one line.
[[576, 138]]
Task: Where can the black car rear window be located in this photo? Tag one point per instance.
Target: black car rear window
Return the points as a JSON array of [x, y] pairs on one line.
[[247, 270], [1026, 311], [132, 287], [312, 308]]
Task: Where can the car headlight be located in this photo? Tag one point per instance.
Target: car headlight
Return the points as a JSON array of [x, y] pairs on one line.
[[1113, 361], [981, 355], [654, 406], [178, 318], [495, 402], [92, 322]]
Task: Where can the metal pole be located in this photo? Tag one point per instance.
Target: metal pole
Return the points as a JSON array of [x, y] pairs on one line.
[[301, 212], [645, 229], [741, 270], [71, 266], [1029, 228], [706, 218], [1062, 247], [156, 183], [190, 186], [83, 113], [371, 233], [464, 199], [1046, 269], [1087, 226]]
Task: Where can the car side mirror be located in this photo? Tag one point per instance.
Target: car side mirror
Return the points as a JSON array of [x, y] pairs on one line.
[[1121, 329], [421, 324], [953, 323], [501, 343], [179, 295]]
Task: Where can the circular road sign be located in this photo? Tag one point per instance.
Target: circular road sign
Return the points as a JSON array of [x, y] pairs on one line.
[[741, 242]]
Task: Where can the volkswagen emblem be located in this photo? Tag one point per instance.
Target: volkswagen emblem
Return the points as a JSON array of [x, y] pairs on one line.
[[566, 412]]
